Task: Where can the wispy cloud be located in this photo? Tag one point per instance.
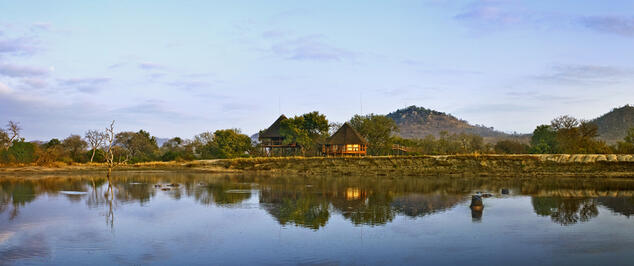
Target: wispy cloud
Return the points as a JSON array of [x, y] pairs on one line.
[[41, 26], [490, 13], [495, 108], [12, 70], [190, 84], [274, 34], [579, 74], [17, 46], [310, 48], [117, 65], [34, 83], [150, 66], [623, 26], [86, 85], [4, 89]]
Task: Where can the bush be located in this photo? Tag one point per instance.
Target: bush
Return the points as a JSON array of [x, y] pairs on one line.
[[19, 152], [511, 147]]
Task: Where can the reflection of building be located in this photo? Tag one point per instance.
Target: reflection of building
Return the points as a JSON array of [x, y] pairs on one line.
[[353, 193], [346, 141]]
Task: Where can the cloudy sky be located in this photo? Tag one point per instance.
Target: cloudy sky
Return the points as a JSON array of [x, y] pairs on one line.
[[185, 67]]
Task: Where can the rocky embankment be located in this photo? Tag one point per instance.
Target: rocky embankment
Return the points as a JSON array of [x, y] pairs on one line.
[[599, 165]]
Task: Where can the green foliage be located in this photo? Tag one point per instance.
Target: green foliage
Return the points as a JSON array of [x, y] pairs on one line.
[[19, 152], [52, 143], [226, 143], [377, 130], [627, 145], [177, 149], [511, 147], [137, 146], [307, 130], [544, 140], [446, 144], [567, 135], [75, 146]]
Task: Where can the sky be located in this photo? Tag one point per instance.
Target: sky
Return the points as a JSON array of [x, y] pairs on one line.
[[180, 68]]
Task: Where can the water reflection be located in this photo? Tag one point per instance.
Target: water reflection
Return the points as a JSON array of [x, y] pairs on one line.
[[311, 202], [566, 211]]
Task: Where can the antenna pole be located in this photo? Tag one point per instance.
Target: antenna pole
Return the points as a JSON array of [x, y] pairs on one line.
[[361, 102]]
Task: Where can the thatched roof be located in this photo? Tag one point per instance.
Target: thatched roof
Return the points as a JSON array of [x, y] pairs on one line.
[[274, 130], [346, 135]]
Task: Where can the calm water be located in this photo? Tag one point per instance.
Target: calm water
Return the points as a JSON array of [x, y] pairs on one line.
[[186, 219]]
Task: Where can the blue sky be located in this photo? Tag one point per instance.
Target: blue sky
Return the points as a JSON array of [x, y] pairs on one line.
[[179, 68]]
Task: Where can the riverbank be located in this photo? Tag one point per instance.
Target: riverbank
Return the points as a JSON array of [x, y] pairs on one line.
[[455, 165]]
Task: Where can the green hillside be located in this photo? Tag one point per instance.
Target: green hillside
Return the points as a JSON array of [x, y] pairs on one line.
[[614, 125]]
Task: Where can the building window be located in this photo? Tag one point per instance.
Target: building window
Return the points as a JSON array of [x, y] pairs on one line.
[[352, 147]]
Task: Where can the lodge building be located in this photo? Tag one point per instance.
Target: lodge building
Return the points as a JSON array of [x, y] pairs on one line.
[[346, 141], [272, 141]]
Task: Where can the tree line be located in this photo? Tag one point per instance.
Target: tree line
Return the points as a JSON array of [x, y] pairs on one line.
[[564, 134]]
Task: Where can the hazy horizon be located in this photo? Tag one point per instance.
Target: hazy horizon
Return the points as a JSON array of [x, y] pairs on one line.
[[177, 69]]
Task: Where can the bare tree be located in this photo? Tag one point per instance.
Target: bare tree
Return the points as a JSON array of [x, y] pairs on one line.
[[95, 139], [14, 128], [109, 143], [10, 134]]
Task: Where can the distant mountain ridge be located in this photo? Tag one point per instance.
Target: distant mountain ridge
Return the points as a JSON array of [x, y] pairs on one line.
[[417, 122], [613, 126]]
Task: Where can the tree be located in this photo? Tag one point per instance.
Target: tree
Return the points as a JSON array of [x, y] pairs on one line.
[[544, 140], [10, 134], [202, 143], [109, 144], [95, 140], [140, 146], [377, 130], [19, 152], [564, 122], [4, 140], [305, 130], [627, 145], [75, 146], [177, 149], [229, 143], [50, 152], [510, 147], [333, 127]]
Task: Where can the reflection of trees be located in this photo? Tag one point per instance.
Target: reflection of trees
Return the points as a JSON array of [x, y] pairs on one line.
[[308, 201], [423, 204], [223, 193], [622, 205], [371, 208], [134, 191], [566, 211], [18, 194], [301, 208]]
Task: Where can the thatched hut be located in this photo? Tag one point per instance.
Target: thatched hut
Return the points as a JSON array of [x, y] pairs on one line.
[[271, 139], [346, 141]]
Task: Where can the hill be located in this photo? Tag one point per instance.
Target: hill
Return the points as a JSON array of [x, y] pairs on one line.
[[418, 122], [614, 125]]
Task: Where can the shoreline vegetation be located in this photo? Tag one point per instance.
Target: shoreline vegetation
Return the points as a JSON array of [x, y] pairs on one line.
[[303, 144], [527, 165]]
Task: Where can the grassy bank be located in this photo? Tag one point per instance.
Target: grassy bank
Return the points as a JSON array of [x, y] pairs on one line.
[[483, 165], [479, 165]]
